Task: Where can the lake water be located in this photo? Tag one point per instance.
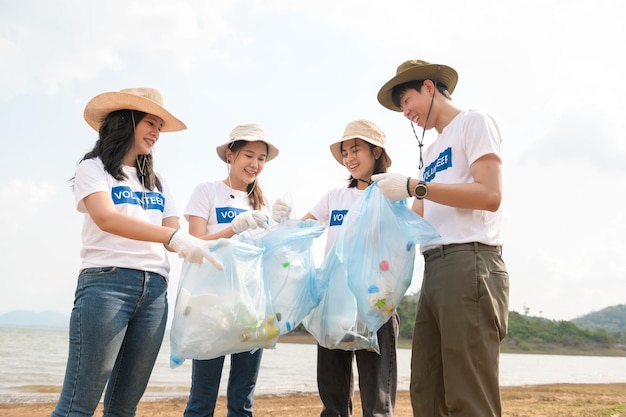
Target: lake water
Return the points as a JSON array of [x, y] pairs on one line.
[[32, 365]]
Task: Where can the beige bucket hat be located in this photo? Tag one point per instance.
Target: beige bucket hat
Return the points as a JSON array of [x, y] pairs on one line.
[[147, 100], [250, 133], [414, 70], [361, 129]]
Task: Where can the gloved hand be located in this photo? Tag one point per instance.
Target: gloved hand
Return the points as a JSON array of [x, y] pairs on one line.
[[193, 249], [280, 210], [248, 220], [393, 186]]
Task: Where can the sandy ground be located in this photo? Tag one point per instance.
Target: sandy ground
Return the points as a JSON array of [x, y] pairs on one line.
[[554, 400]]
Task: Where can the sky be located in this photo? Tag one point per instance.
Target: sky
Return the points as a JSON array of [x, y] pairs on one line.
[[550, 72]]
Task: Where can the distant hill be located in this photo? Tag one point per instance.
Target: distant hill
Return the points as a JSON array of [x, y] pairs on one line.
[[540, 335], [611, 319], [528, 334], [41, 319]]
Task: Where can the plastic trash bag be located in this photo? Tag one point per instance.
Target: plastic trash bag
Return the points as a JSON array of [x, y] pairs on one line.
[[335, 322], [377, 245], [289, 270], [222, 312]]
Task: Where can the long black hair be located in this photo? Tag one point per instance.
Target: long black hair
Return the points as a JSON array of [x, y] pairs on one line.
[[116, 139]]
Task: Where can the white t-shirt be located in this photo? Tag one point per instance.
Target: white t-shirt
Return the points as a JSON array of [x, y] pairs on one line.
[[102, 249], [211, 201], [332, 209], [469, 136]]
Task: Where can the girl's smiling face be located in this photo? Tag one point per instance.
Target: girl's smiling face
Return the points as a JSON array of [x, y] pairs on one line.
[[358, 158], [147, 132], [246, 163]]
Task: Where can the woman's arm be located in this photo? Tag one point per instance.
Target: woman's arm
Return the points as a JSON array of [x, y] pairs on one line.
[[101, 209]]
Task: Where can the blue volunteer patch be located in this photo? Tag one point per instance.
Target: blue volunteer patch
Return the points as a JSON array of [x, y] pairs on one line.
[[151, 200], [443, 162], [337, 216], [227, 214]]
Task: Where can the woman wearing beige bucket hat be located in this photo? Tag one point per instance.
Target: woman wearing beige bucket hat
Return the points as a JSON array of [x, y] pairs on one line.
[[462, 310], [361, 150], [120, 306], [221, 209]]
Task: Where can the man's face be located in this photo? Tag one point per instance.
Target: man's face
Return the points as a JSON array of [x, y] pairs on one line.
[[415, 105]]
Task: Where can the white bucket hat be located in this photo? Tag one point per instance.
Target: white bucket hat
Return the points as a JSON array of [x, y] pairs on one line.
[[361, 129], [249, 133]]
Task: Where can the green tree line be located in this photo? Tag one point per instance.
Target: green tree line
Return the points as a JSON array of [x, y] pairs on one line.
[[536, 334]]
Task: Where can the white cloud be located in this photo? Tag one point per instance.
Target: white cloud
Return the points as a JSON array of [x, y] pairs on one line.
[[24, 200]]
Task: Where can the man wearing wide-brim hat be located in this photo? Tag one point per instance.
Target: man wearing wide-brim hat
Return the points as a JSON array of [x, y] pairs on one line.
[[462, 311]]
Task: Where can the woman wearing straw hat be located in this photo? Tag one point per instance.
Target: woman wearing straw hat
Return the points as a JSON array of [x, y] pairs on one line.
[[221, 209], [462, 311], [120, 305], [361, 151]]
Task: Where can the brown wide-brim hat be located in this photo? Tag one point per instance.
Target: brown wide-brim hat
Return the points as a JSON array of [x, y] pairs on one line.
[[250, 133], [361, 129], [147, 100], [416, 70]]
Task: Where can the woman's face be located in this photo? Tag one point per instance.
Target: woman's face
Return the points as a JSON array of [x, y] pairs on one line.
[[358, 158], [147, 132], [246, 163]]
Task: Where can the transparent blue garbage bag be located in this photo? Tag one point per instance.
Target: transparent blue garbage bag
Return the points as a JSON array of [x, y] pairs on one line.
[[222, 312], [335, 322], [377, 246], [289, 270]]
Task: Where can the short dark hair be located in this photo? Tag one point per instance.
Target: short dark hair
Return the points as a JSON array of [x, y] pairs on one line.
[[398, 91]]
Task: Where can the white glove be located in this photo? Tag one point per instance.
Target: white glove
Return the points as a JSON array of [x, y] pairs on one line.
[[393, 186], [248, 220], [193, 249], [280, 210]]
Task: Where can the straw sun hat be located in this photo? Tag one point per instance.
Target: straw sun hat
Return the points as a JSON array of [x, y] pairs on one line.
[[249, 133], [147, 100], [361, 129], [415, 70]]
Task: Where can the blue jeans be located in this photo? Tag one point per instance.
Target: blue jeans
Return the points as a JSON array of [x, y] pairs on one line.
[[205, 384], [378, 376], [116, 330]]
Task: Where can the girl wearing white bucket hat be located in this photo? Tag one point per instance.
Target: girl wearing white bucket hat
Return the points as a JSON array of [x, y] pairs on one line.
[[221, 209], [361, 150], [120, 307]]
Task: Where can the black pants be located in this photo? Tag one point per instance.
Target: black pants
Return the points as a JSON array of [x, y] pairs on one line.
[[378, 376]]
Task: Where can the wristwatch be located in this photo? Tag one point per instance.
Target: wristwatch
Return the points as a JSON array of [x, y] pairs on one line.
[[421, 189]]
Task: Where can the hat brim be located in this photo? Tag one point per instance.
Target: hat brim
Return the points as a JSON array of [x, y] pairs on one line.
[[435, 72], [335, 149], [101, 105], [272, 151]]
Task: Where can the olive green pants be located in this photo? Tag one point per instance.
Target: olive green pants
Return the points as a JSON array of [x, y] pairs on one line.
[[462, 317]]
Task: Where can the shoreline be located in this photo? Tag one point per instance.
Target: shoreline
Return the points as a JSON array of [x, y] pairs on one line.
[[530, 349], [550, 400]]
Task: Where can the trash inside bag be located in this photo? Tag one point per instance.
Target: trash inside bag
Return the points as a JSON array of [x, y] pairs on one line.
[[289, 270], [222, 312]]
